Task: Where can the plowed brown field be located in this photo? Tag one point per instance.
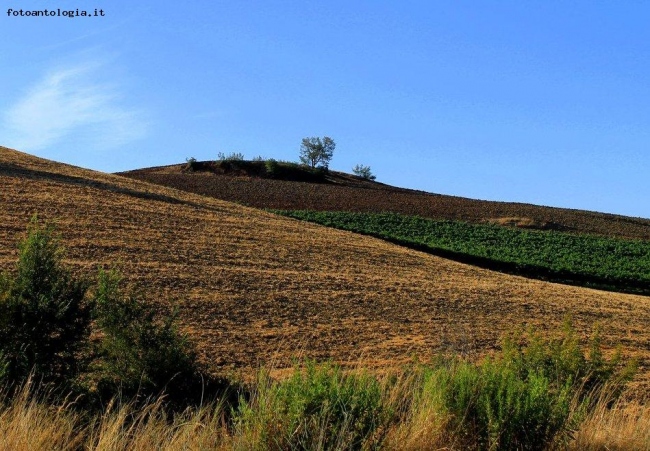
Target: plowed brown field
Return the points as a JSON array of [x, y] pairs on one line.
[[255, 288], [344, 192]]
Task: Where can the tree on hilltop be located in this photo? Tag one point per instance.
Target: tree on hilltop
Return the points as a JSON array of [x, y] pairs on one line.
[[316, 151], [363, 172]]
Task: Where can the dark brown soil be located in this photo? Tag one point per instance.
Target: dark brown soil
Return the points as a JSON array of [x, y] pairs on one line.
[[344, 192]]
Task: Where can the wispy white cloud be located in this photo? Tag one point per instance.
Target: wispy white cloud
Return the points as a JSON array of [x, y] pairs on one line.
[[72, 101]]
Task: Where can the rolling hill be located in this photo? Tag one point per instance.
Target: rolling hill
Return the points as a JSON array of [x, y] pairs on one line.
[[343, 192], [254, 288]]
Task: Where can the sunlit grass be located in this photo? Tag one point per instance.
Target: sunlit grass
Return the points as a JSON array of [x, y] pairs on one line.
[[537, 393], [410, 415]]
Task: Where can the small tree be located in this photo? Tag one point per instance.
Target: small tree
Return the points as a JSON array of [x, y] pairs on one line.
[[363, 172], [317, 151], [44, 318]]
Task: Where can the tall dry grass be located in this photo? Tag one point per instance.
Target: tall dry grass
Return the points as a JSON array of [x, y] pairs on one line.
[[149, 428], [27, 424], [420, 424], [536, 394], [622, 427]]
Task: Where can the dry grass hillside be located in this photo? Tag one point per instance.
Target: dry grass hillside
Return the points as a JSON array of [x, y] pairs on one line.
[[255, 288], [344, 192]]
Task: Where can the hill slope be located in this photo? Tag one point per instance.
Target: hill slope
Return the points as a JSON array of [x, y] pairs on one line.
[[257, 288], [343, 192]]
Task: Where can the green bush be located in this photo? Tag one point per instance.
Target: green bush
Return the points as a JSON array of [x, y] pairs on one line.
[[232, 162], [496, 409], [44, 318], [531, 395], [319, 407], [139, 353], [45, 329], [526, 397], [363, 172], [563, 359]]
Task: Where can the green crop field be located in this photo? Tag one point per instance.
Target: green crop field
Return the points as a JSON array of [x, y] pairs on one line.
[[617, 264]]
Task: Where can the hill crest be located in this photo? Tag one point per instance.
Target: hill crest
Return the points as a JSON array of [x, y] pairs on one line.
[[337, 191]]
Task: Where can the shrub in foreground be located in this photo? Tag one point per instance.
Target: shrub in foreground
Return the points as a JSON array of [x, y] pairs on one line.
[[318, 407], [532, 394], [139, 353], [491, 407], [47, 317], [44, 316], [26, 423]]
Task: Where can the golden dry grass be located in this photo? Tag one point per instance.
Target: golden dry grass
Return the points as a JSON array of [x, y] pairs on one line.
[[27, 425], [254, 288], [625, 427]]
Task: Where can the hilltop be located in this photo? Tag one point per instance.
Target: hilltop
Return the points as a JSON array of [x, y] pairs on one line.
[[255, 288], [245, 183]]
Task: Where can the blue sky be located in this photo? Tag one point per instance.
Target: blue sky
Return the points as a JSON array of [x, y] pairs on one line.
[[538, 102]]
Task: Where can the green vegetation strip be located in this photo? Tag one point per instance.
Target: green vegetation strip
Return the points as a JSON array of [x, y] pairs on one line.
[[607, 263], [525, 397]]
